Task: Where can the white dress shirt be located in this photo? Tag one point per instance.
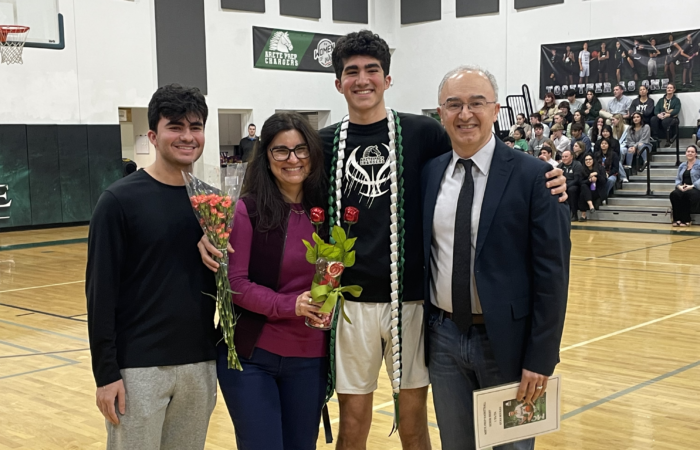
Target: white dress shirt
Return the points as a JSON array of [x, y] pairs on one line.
[[442, 245], [563, 143]]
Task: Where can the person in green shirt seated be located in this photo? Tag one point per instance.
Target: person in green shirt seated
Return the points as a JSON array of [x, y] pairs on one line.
[[520, 142]]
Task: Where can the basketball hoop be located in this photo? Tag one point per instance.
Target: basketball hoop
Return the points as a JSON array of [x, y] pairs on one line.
[[12, 39]]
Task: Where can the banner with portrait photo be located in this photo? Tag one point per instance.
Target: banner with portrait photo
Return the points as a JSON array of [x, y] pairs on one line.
[[653, 60]]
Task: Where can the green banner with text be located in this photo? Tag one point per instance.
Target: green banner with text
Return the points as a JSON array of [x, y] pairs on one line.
[[293, 50]]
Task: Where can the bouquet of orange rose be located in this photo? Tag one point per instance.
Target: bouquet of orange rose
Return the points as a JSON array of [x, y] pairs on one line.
[[330, 261], [214, 210]]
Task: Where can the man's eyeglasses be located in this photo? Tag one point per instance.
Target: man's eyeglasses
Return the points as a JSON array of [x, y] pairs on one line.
[[282, 153], [456, 106]]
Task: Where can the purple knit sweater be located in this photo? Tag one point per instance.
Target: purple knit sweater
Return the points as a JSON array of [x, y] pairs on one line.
[[284, 332]]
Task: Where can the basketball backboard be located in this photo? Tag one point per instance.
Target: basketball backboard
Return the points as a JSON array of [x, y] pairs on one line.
[[41, 16]]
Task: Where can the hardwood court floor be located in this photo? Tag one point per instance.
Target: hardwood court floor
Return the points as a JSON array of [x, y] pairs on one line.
[[630, 352]]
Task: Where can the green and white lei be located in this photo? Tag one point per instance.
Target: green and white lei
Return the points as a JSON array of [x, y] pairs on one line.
[[396, 231]]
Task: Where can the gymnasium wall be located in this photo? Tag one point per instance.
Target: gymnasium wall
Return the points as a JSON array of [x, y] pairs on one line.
[[508, 43]]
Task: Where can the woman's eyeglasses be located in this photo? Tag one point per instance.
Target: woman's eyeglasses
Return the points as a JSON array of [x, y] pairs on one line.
[[282, 153]]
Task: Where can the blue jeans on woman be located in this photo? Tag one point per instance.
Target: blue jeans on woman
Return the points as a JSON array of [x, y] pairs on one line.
[[460, 364], [275, 402], [612, 179], [641, 150]]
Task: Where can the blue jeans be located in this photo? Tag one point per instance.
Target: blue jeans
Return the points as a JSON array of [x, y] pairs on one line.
[[275, 402], [642, 152], [460, 364], [612, 179]]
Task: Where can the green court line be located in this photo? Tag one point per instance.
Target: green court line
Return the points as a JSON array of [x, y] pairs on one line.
[[607, 399], [629, 390], [4, 248], [43, 331], [636, 230], [37, 352], [37, 370]]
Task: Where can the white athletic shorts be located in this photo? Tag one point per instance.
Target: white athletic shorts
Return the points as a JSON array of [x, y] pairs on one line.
[[360, 347], [586, 70]]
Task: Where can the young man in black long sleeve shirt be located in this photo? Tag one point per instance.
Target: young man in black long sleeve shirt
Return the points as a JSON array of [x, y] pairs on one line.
[[151, 328]]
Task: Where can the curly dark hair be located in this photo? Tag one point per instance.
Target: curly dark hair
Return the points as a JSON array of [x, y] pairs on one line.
[[363, 43], [260, 183], [175, 102]]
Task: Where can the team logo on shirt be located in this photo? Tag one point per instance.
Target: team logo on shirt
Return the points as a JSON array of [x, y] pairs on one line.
[[371, 156], [369, 181]]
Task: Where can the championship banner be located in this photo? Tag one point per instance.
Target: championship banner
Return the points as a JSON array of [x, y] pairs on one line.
[[293, 50], [650, 60]]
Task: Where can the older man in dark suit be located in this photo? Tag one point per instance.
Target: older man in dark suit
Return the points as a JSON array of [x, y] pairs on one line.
[[497, 262]]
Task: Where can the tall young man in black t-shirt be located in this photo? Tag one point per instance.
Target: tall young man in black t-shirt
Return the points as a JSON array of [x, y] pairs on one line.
[[374, 159], [151, 329]]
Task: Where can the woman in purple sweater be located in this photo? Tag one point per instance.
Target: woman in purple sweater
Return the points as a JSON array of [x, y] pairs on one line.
[[275, 401]]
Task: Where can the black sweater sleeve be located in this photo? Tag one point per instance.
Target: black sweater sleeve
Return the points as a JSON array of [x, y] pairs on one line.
[[106, 243]]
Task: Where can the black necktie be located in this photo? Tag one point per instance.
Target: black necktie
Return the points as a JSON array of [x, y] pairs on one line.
[[461, 255]]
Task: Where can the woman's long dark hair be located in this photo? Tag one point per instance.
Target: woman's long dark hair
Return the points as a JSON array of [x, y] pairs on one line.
[[595, 134], [272, 209], [614, 143]]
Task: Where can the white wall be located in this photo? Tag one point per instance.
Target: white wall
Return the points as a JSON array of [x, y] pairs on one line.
[[110, 62], [508, 43]]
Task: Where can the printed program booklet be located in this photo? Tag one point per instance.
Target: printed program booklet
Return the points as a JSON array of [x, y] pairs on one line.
[[499, 418]]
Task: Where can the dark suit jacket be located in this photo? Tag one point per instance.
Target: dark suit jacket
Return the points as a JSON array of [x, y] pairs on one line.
[[521, 263]]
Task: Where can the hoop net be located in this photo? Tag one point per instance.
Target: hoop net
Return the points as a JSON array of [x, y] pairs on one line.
[[12, 39]]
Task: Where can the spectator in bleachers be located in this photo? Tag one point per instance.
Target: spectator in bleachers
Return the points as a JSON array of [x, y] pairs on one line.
[[611, 162], [686, 196], [559, 119], [536, 118], [580, 152], [618, 105], [546, 156], [509, 141], [537, 139], [574, 104], [555, 153], [565, 109], [616, 147], [643, 104], [667, 109], [620, 132], [638, 139], [596, 130], [577, 134], [573, 171], [593, 187], [591, 107], [578, 118], [603, 61], [689, 52], [520, 141], [548, 109], [521, 122], [561, 142]]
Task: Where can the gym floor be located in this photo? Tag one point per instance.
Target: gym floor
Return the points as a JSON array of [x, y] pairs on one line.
[[630, 357]]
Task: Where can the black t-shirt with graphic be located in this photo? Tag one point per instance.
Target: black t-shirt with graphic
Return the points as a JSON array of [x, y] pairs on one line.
[[366, 186]]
